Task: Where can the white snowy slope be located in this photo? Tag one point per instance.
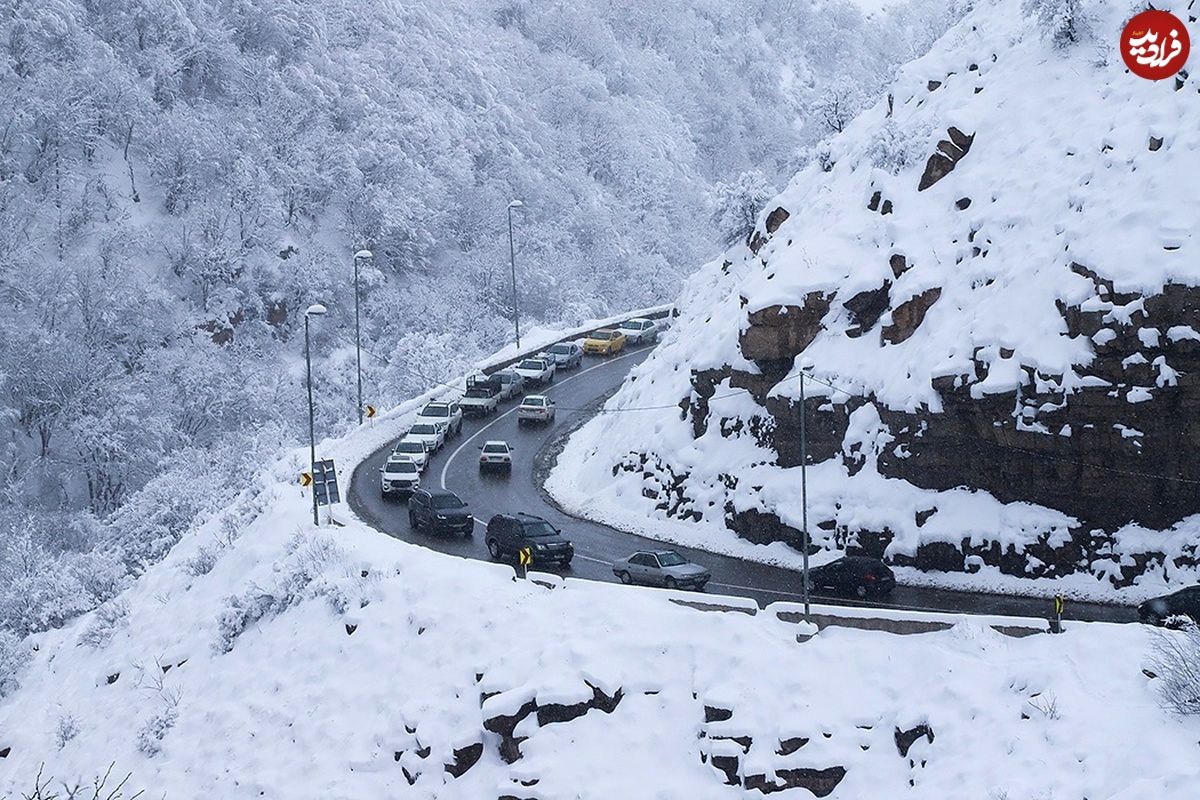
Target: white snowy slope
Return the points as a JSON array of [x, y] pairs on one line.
[[1072, 160], [264, 658]]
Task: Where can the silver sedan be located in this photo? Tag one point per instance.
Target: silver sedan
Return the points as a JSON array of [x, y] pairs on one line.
[[661, 568]]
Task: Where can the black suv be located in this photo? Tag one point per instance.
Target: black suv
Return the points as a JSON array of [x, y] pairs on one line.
[[439, 511], [1171, 608], [508, 534]]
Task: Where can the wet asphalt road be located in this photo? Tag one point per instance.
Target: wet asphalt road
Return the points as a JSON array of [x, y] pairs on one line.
[[596, 546]]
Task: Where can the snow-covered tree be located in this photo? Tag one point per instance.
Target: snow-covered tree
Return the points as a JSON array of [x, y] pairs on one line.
[[736, 206], [1063, 21], [179, 180]]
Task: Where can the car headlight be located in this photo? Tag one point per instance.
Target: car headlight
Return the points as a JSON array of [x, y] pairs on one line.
[[441, 518], [539, 547]]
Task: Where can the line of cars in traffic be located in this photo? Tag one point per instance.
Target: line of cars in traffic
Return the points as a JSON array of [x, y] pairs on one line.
[[507, 534], [438, 422]]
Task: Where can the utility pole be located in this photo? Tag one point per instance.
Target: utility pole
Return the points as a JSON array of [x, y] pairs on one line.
[[804, 492], [512, 260], [314, 310], [361, 255]]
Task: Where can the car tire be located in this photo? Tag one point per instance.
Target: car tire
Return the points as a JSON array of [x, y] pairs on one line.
[[412, 520], [494, 549], [670, 583], [860, 591], [624, 577], [566, 564]]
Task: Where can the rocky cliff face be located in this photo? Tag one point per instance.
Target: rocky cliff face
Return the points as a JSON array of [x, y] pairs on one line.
[[993, 280]]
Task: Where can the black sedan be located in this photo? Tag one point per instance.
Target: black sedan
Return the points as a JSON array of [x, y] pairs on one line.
[[1160, 610], [857, 575]]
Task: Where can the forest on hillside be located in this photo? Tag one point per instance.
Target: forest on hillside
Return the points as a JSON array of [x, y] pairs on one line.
[[179, 179]]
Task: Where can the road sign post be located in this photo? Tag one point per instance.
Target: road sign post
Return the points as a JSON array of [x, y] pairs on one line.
[[325, 485], [1059, 604]]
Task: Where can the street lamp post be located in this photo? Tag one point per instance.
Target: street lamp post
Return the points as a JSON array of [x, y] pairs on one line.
[[315, 310], [361, 255], [804, 492], [512, 260]]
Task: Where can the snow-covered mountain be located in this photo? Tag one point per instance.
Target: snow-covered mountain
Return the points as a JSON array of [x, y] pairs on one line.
[[992, 279], [262, 658]]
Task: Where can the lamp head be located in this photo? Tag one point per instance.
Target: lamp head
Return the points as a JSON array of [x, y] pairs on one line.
[[316, 310]]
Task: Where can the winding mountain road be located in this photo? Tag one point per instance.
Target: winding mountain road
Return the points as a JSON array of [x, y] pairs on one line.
[[577, 394]]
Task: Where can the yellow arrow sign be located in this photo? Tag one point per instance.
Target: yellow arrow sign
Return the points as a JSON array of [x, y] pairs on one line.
[[1059, 604], [526, 556], [370, 411], [305, 479]]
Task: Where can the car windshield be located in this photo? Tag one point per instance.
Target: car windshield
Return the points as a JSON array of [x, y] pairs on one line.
[[561, 349], [602, 335], [530, 363], [422, 429], [436, 411], [444, 502], [401, 466], [539, 529], [495, 448], [671, 559], [410, 447], [504, 377], [533, 401]]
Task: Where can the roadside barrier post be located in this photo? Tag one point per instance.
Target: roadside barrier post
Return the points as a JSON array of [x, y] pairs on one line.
[[1059, 605]]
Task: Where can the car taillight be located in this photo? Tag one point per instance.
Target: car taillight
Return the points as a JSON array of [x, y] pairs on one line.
[[869, 578]]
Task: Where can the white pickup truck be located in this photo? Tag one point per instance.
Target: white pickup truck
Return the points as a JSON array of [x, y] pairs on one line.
[[536, 370], [480, 400]]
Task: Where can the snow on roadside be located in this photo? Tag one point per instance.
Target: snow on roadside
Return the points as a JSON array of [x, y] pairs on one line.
[[297, 662]]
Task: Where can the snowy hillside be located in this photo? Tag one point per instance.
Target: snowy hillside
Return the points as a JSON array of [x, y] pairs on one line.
[[991, 277], [263, 658], [181, 179]]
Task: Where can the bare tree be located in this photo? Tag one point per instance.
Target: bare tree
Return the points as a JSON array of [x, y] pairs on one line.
[[1175, 658], [98, 789]]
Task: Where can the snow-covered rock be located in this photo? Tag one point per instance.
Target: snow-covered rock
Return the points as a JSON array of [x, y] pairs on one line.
[[980, 264]]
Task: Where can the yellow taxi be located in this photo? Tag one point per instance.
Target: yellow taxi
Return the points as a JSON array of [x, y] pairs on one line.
[[605, 341]]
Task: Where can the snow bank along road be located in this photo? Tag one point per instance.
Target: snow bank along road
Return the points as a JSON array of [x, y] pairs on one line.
[[597, 546]]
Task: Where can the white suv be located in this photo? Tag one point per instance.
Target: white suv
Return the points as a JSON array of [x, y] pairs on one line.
[[446, 416], [399, 476]]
